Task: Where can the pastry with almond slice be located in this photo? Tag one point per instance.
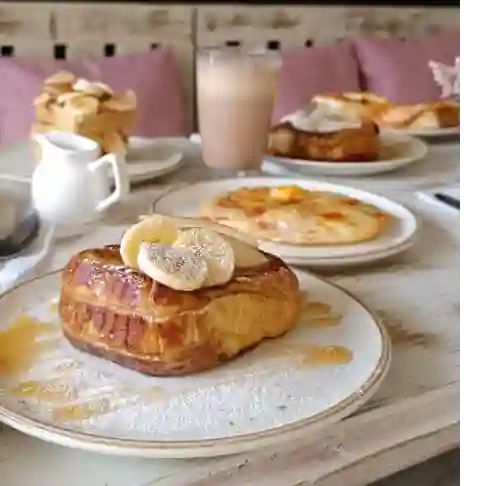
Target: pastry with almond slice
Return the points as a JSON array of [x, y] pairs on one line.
[[88, 108]]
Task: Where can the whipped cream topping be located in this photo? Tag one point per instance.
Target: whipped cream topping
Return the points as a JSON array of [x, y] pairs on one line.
[[321, 119]]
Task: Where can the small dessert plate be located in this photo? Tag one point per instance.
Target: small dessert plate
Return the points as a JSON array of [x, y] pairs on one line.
[[398, 151], [151, 158]]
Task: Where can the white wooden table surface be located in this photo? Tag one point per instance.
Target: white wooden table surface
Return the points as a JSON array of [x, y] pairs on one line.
[[414, 416]]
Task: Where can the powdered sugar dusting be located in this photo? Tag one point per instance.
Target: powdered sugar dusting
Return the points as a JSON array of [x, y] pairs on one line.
[[261, 390]]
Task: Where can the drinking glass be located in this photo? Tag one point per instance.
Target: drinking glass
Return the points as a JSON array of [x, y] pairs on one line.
[[236, 89]]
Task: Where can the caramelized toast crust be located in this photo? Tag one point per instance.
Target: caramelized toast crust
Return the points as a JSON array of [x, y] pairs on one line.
[[349, 144], [122, 315]]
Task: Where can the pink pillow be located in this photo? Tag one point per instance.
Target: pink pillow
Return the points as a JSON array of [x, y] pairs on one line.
[[309, 71], [399, 70], [153, 76]]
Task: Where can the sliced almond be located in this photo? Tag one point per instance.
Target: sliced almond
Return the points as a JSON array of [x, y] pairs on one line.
[[57, 89], [85, 105], [105, 88], [43, 99], [62, 77], [85, 86], [65, 97], [125, 102]]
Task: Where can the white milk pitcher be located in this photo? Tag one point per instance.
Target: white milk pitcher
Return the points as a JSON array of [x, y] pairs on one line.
[[70, 187]]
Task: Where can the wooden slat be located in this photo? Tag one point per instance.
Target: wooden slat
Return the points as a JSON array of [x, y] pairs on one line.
[[32, 29], [23, 21], [114, 22], [295, 25]]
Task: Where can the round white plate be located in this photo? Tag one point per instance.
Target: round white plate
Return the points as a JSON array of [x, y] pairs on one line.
[[426, 133], [351, 260], [151, 158], [187, 200], [261, 398], [409, 150]]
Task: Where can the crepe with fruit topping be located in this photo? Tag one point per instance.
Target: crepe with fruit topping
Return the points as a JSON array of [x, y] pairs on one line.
[[296, 216]]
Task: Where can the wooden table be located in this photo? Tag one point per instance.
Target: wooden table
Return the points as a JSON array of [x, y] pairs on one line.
[[414, 416]]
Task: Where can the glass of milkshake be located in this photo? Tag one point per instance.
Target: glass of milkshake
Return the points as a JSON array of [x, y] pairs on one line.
[[235, 96]]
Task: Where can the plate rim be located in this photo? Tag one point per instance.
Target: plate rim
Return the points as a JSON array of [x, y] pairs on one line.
[[200, 448], [424, 133], [169, 167], [384, 165], [370, 258], [306, 180]]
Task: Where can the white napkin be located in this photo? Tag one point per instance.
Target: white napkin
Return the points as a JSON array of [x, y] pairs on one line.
[[16, 268], [452, 190]]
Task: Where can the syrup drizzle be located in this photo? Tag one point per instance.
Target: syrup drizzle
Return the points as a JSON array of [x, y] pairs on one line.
[[20, 344]]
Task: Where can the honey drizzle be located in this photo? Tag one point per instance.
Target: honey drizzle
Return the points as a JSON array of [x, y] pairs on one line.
[[153, 394], [52, 391], [54, 307], [319, 314], [314, 355], [82, 411], [20, 344]]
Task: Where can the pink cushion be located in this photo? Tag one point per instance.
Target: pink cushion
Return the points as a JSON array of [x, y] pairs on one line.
[[309, 71], [153, 76], [399, 70]]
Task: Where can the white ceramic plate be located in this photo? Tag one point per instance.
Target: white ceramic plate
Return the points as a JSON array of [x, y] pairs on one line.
[[351, 261], [261, 398], [426, 133], [151, 158], [408, 151], [187, 200]]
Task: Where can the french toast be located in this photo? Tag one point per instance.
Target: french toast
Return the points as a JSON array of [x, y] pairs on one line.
[[360, 144], [120, 314]]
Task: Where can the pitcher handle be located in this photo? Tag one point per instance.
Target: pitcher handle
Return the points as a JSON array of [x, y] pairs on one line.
[[122, 184]]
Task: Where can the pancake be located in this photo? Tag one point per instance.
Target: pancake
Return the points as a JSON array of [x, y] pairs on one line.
[[295, 216]]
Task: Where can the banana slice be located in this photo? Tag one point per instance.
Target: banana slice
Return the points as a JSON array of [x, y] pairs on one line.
[[84, 105], [42, 100], [245, 248], [62, 77], [184, 222], [155, 229], [178, 268], [125, 102], [246, 256], [214, 249], [105, 88]]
